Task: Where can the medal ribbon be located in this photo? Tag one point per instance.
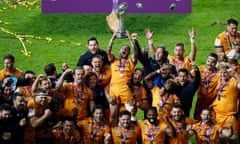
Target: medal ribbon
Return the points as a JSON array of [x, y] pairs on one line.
[[178, 64], [206, 134], [92, 135], [229, 41], [79, 94], [206, 81], [138, 92], [99, 78], [28, 89], [162, 101], [178, 128], [221, 87], [122, 66], [151, 135], [67, 141], [123, 136]]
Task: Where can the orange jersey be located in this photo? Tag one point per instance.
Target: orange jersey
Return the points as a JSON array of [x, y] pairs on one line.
[[129, 136], [104, 77], [56, 117], [29, 134], [93, 132], [35, 110], [139, 92], [163, 103], [206, 134], [76, 98], [225, 40], [121, 70], [181, 131], [26, 90], [209, 81], [227, 100], [153, 133], [206, 92], [17, 73], [185, 63], [59, 137]]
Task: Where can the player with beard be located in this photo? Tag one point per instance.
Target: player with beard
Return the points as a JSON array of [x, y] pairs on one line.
[[178, 59], [187, 88], [139, 99], [7, 125], [93, 49], [224, 42], [179, 122], [163, 97], [67, 134], [38, 114], [9, 69], [7, 88], [103, 71], [29, 78], [154, 131], [78, 98], [121, 69], [159, 77], [226, 103], [19, 113], [95, 130], [209, 80], [206, 131], [44, 83], [125, 132], [158, 58]]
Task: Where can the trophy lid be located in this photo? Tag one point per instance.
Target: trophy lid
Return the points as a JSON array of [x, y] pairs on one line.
[[122, 6]]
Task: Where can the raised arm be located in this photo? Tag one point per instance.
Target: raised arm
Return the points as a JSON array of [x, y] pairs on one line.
[[35, 83], [60, 81], [193, 52], [148, 79], [237, 76], [132, 39], [170, 130], [148, 35], [38, 121], [109, 48]]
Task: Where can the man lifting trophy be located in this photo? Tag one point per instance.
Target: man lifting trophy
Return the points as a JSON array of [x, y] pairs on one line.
[[115, 19]]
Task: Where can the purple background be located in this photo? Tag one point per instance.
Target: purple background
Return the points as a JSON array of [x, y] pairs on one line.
[[105, 6]]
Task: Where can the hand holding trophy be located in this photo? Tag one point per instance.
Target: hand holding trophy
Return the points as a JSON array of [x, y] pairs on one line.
[[115, 20]]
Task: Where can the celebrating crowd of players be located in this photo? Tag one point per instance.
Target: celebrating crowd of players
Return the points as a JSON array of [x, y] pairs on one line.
[[97, 101]]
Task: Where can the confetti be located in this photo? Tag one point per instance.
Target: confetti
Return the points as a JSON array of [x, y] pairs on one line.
[[172, 6], [139, 5]]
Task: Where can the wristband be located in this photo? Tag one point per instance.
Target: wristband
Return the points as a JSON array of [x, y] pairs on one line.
[[150, 42], [192, 40]]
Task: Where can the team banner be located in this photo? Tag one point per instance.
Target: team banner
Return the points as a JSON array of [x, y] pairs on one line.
[[107, 6]]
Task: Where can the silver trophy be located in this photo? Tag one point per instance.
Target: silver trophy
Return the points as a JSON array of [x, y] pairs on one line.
[[121, 33]]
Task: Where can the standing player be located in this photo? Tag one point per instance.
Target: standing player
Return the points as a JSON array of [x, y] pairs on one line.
[[226, 103], [121, 69], [125, 132], [209, 80], [154, 131], [225, 40]]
